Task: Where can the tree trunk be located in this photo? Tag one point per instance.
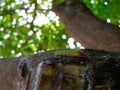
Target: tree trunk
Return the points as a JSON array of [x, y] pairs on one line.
[[60, 70], [87, 29]]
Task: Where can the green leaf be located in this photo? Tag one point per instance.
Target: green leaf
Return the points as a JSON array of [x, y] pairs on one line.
[[58, 2]]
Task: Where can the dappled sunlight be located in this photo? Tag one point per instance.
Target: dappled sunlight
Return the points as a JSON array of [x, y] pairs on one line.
[[74, 45], [19, 45], [13, 52], [92, 1], [18, 54], [106, 3], [38, 34], [64, 36], [30, 33], [71, 43], [21, 41], [6, 36], [0, 43], [108, 20], [41, 20]]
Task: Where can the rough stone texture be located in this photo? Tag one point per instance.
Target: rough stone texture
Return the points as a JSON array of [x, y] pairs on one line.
[[11, 74], [62, 72]]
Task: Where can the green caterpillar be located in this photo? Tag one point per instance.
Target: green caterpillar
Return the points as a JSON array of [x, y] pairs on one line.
[[68, 52]]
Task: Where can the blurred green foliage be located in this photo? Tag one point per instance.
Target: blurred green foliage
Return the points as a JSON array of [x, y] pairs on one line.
[[29, 26], [105, 9], [57, 2]]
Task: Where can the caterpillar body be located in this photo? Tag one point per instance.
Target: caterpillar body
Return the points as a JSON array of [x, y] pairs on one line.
[[69, 52]]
